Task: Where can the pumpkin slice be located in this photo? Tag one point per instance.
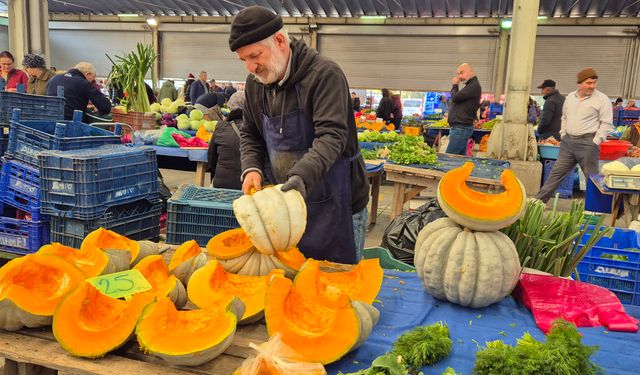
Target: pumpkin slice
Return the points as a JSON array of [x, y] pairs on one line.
[[155, 270], [230, 244], [290, 261], [92, 262], [273, 220], [90, 324], [319, 330], [211, 285], [31, 287], [481, 211], [112, 243], [188, 338], [186, 259], [361, 282]]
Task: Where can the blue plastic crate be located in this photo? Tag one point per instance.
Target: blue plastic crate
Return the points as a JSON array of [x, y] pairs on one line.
[[22, 236], [198, 213], [33, 107], [20, 187], [28, 138], [137, 221], [83, 184], [621, 239], [565, 189]]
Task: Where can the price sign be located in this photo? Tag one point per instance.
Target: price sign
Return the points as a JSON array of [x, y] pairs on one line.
[[120, 284]]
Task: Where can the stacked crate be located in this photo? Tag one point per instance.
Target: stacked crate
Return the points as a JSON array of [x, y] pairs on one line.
[[113, 186]]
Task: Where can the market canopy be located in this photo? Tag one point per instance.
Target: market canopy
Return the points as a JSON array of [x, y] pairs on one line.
[[347, 8]]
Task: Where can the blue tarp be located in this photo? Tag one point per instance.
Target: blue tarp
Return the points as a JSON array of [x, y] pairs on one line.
[[405, 304]]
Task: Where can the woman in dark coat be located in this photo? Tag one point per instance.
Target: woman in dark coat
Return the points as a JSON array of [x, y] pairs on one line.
[[385, 107], [224, 148]]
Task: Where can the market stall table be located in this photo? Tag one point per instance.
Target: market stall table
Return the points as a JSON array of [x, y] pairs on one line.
[[630, 200], [374, 173], [198, 155]]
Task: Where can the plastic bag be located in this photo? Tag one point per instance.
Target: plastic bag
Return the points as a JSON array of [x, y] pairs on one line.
[[583, 304], [276, 357], [189, 142], [401, 234], [203, 134], [166, 140]]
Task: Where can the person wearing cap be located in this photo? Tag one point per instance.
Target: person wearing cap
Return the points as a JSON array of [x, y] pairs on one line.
[[298, 117], [184, 91], [587, 119], [224, 148], [210, 105], [39, 74], [617, 104], [550, 117], [463, 108]]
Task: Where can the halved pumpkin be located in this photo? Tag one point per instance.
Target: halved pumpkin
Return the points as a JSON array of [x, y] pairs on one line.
[[92, 262], [31, 287], [230, 244], [290, 261], [188, 338], [273, 219], [481, 211], [186, 259], [211, 285], [114, 243], [155, 270], [361, 282], [321, 330], [90, 324]]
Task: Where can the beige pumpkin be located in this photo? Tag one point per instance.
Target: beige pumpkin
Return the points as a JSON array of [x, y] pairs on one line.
[[468, 268]]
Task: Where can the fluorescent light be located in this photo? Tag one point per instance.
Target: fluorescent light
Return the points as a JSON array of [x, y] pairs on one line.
[[152, 22], [506, 24], [127, 15], [542, 17], [373, 17]]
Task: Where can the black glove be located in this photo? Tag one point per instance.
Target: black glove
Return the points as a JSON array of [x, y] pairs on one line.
[[295, 182]]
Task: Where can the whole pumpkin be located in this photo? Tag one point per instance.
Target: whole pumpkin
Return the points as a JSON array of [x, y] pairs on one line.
[[468, 268]]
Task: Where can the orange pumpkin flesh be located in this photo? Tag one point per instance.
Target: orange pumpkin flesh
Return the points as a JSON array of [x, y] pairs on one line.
[[477, 210], [183, 253], [35, 284], [107, 240], [211, 285], [292, 258], [156, 272], [318, 330], [90, 324], [92, 262], [229, 244], [361, 282]]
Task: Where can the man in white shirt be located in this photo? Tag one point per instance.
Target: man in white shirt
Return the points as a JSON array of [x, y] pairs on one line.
[[587, 118]]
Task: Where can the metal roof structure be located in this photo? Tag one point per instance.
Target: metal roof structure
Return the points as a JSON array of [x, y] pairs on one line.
[[348, 8]]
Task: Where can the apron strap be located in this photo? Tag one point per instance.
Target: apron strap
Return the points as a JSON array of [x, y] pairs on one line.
[[354, 157], [235, 128]]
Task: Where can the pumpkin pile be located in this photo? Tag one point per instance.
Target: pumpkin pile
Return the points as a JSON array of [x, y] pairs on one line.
[[464, 258]]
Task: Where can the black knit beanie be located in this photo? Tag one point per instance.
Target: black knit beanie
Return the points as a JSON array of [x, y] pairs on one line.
[[251, 25]]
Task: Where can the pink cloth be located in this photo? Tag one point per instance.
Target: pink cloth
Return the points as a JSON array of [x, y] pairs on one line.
[[190, 142], [585, 305]]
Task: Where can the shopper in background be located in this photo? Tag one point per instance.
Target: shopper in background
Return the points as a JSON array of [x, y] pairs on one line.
[[210, 105], [224, 148], [631, 104], [299, 116], [229, 90], [185, 90], [355, 101], [587, 119], [78, 90], [168, 90], [385, 107], [397, 110], [11, 76], [551, 115], [39, 74], [199, 87], [443, 105], [533, 111], [617, 104], [213, 87], [463, 108]]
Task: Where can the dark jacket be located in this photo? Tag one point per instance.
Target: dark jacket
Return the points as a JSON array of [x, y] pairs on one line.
[[397, 110], [385, 109], [551, 117], [333, 121], [186, 90], [38, 85], [197, 88], [356, 104], [77, 93], [224, 153], [464, 103]]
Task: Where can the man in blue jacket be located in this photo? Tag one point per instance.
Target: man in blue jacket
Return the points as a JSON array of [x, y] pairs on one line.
[[78, 90], [199, 87]]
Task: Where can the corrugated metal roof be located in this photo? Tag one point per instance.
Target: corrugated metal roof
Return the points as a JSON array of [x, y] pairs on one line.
[[347, 8]]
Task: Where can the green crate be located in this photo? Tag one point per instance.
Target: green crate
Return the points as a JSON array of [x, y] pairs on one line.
[[387, 261]]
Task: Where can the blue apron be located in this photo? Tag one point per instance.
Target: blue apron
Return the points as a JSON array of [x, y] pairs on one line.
[[329, 231]]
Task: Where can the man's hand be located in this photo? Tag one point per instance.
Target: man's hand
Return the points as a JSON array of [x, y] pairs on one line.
[[295, 182], [455, 80], [252, 180]]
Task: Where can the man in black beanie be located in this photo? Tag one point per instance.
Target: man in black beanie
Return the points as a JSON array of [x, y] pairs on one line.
[[298, 120]]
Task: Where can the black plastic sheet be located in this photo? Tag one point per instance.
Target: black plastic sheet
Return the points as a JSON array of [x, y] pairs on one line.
[[401, 234]]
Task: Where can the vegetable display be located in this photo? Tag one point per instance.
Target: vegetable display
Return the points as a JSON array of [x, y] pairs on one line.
[[186, 260], [92, 262], [156, 272], [424, 345], [412, 150], [376, 136]]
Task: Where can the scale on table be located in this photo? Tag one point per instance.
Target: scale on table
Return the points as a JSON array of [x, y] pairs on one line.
[[627, 182]]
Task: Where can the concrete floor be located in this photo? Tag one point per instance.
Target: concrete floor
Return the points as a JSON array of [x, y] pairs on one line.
[[174, 178]]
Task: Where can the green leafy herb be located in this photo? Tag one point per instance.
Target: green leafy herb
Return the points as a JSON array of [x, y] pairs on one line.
[[562, 354], [369, 154], [386, 364], [424, 345], [412, 150], [450, 371], [614, 257], [128, 72], [376, 136]]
